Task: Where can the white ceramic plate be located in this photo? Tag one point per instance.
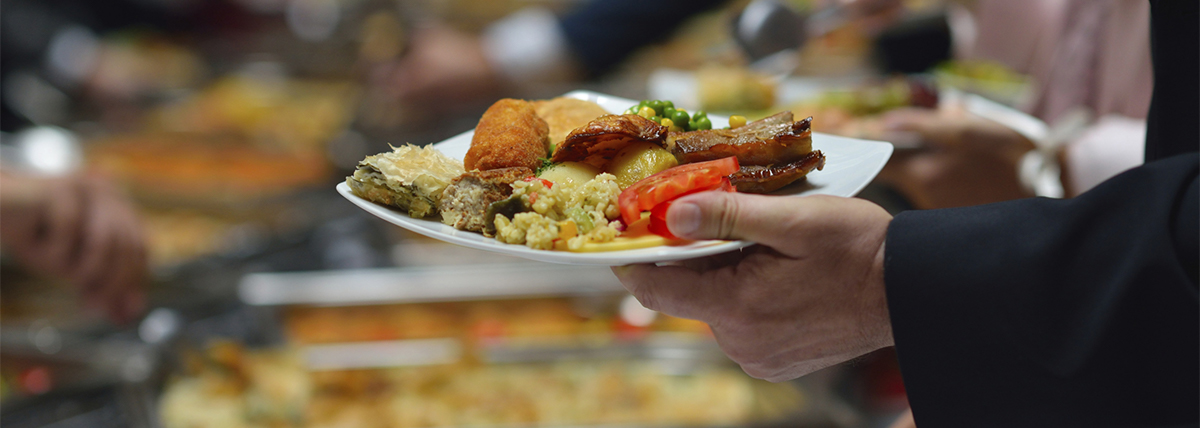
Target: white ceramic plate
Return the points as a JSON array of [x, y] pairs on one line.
[[850, 164]]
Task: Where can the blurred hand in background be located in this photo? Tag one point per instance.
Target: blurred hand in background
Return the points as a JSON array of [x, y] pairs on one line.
[[810, 296], [969, 160], [79, 228]]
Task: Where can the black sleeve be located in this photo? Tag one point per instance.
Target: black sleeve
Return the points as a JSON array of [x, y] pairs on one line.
[[1044, 312], [603, 33], [1175, 39]]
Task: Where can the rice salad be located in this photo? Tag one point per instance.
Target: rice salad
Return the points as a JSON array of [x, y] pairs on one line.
[[564, 216]]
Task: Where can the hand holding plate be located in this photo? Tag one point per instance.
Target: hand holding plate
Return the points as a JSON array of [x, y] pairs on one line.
[[811, 295]]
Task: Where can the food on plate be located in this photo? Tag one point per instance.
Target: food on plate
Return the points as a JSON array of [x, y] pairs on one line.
[[763, 142], [769, 178], [773, 152], [990, 79], [676, 119], [570, 172], [509, 134], [410, 178], [640, 160], [725, 88], [465, 201], [564, 114], [607, 187], [854, 112], [562, 216], [600, 140]]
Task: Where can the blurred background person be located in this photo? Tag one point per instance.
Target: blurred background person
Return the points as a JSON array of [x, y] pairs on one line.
[[535, 45], [1090, 66], [79, 228]]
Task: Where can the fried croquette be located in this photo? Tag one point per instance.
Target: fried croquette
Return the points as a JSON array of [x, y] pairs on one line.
[[510, 134]]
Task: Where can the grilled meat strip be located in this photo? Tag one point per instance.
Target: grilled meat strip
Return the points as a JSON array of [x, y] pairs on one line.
[[600, 140], [770, 141], [769, 178]]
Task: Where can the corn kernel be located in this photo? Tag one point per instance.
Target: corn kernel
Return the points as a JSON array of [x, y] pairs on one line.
[[667, 122], [737, 121], [567, 229], [646, 112]]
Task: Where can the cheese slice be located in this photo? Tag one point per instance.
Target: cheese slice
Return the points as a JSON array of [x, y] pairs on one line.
[[636, 236]]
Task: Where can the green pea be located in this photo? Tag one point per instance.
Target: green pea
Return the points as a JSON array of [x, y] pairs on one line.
[[657, 106], [680, 117], [656, 119], [631, 110], [668, 103], [668, 111], [700, 123], [699, 113]]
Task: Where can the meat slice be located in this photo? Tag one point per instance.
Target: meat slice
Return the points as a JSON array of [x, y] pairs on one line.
[[600, 140], [465, 201], [770, 141], [769, 178]]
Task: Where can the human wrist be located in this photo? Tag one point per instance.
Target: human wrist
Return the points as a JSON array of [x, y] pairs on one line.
[[882, 326], [874, 318]]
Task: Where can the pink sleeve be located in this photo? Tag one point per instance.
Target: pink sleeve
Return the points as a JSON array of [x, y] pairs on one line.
[[1109, 147]]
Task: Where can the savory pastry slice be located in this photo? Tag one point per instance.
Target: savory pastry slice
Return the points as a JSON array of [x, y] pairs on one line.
[[564, 114], [509, 134], [773, 140], [600, 140], [410, 178], [465, 202]]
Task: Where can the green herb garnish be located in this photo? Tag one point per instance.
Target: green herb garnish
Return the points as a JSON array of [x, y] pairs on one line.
[[546, 164]]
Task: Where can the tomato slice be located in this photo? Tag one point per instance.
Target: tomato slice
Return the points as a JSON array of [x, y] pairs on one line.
[[673, 183], [658, 214]]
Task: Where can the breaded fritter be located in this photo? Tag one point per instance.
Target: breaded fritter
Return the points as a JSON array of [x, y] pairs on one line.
[[510, 134]]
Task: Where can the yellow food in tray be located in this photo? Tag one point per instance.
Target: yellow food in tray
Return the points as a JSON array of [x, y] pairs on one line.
[[229, 386]]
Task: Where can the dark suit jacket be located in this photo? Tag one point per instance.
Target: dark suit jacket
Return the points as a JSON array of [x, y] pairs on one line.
[[1080, 312]]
